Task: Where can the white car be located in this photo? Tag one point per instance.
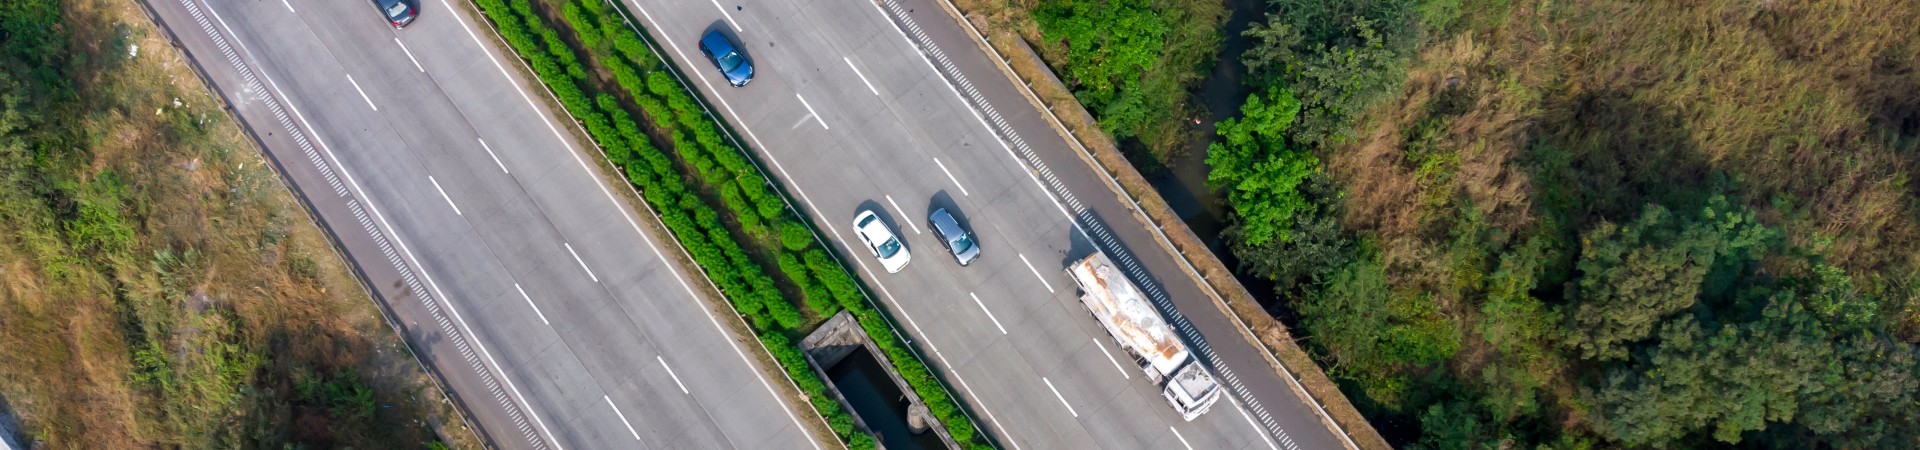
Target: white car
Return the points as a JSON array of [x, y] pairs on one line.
[[881, 241]]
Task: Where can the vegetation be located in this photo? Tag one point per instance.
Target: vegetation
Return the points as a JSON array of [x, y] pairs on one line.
[[158, 287], [1592, 224], [713, 199], [1131, 63]]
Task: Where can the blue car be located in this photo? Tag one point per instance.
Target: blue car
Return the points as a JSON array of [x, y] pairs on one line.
[[722, 51]]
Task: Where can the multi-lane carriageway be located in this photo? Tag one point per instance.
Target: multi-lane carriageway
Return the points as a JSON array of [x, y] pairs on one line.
[[538, 294]]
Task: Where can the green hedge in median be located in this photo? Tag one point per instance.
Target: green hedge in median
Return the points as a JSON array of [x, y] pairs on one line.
[[698, 158]]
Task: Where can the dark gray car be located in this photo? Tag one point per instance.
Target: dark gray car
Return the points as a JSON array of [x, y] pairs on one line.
[[955, 238]]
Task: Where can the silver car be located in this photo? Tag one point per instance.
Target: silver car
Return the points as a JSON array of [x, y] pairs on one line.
[[955, 238]]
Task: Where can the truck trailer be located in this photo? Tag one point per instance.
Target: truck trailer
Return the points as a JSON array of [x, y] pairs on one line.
[[1146, 336]]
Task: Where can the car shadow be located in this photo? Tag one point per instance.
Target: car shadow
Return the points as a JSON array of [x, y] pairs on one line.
[[944, 200]]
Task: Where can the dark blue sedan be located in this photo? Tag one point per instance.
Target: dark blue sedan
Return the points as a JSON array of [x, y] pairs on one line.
[[722, 51]]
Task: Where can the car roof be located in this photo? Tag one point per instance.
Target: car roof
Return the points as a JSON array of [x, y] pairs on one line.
[[716, 42], [944, 222]]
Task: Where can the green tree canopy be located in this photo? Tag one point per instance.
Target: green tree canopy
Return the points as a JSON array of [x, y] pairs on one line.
[[1261, 174], [1634, 276]]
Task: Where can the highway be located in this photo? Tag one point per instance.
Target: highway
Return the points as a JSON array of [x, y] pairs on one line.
[[513, 269], [889, 106]]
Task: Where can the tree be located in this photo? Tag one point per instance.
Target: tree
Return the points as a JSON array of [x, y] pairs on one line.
[[1370, 330], [1109, 43], [1260, 173], [1788, 366], [1632, 277]]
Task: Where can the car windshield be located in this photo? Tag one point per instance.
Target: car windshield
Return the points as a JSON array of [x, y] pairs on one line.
[[730, 61], [397, 9], [890, 247], [964, 243]]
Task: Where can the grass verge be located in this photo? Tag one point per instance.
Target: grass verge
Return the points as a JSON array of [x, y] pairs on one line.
[[716, 202]]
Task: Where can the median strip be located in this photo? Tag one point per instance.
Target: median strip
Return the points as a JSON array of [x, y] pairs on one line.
[[711, 197]]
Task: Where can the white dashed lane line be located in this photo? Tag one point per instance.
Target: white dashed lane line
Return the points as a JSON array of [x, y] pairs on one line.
[[956, 181], [496, 158], [623, 417], [1036, 273], [1056, 394], [1116, 362], [363, 93], [536, 308], [1183, 439], [903, 215], [863, 77], [676, 378], [729, 16], [983, 308], [403, 49], [811, 112], [443, 194], [583, 263]]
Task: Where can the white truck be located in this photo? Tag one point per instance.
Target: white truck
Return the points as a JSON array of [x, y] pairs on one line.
[[1120, 308]]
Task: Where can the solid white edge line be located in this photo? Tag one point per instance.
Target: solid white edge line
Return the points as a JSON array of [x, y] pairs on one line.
[[950, 177], [363, 93], [623, 417], [1036, 273], [983, 308], [583, 263], [903, 214], [443, 195], [1183, 439], [863, 77], [711, 319], [361, 193], [729, 16], [811, 112], [1256, 425], [1116, 362], [676, 378], [403, 49], [536, 308], [496, 158], [1063, 398]]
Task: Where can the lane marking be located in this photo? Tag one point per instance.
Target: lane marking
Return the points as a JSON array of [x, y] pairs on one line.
[[363, 93], [956, 181], [983, 308], [903, 215], [1005, 436], [1056, 394], [485, 372], [1116, 362], [403, 49], [729, 16], [443, 194], [536, 308], [804, 198], [863, 77], [679, 276], [1256, 425], [1183, 439], [496, 158], [623, 417], [676, 378], [289, 6], [1036, 273], [583, 263], [810, 111]]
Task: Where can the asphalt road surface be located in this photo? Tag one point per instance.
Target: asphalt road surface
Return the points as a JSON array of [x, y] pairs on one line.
[[510, 265], [889, 106]]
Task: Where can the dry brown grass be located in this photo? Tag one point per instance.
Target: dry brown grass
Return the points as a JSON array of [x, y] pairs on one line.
[[224, 275]]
